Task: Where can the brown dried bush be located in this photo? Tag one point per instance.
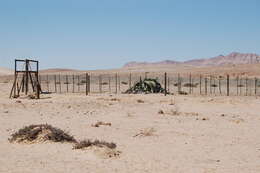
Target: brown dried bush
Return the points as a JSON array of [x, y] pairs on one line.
[[100, 123], [40, 133], [88, 143]]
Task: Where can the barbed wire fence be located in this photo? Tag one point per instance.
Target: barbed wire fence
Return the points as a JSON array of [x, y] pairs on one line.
[[116, 83]]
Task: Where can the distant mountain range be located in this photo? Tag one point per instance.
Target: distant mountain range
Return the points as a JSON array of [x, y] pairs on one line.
[[234, 58]]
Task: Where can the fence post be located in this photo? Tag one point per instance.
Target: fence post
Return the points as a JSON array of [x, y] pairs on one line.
[[100, 84], [60, 82], [200, 83], [67, 83], [165, 83], [240, 88], [210, 84], [256, 86], [179, 83], [55, 83], [227, 85], [190, 83], [168, 84], [130, 80], [48, 83], [89, 83], [206, 86], [109, 83], [73, 83], [246, 86], [214, 81], [116, 82], [237, 84], [86, 79], [78, 84], [119, 84]]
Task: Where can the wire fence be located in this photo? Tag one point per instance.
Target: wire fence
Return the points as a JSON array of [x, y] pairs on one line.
[[178, 84]]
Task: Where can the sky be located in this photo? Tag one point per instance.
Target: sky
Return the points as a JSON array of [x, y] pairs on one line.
[[105, 34]]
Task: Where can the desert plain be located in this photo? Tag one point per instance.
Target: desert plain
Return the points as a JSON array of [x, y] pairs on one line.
[[153, 133]]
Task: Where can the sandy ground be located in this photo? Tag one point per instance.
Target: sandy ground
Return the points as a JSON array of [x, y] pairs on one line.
[[190, 135]]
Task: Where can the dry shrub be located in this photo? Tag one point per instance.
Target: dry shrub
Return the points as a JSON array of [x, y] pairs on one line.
[[88, 143], [140, 101], [160, 112], [100, 123], [102, 149], [191, 85], [146, 132], [40, 133], [183, 93], [115, 99]]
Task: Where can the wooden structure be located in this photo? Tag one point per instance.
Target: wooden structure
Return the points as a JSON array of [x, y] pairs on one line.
[[30, 77]]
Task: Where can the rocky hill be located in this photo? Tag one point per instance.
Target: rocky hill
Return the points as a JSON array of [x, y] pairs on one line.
[[234, 58]]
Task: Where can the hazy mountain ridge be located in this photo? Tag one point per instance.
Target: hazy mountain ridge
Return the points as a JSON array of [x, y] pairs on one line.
[[234, 58]]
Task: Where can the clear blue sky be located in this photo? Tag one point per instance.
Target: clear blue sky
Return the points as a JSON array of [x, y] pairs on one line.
[[97, 34]]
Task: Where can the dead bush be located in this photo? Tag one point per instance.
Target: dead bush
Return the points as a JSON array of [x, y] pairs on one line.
[[191, 85], [88, 143], [160, 112], [40, 133], [140, 101], [100, 123], [183, 93]]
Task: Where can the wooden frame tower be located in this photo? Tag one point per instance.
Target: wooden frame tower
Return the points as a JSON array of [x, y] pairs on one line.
[[29, 77]]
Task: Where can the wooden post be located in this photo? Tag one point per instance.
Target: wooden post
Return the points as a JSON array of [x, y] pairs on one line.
[[60, 82], [55, 83], [73, 84], [256, 86], [179, 84], [99, 83], [79, 84], [89, 83], [240, 88], [116, 82], [237, 80], [228, 85], [190, 83], [165, 83], [246, 86], [67, 83], [214, 83], [109, 83], [200, 83], [119, 84], [86, 84], [130, 80], [27, 77], [168, 84], [210, 84], [48, 83], [206, 85]]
